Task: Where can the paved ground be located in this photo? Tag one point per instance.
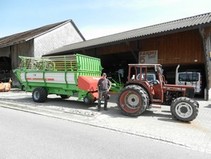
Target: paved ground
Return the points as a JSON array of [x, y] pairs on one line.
[[155, 123]]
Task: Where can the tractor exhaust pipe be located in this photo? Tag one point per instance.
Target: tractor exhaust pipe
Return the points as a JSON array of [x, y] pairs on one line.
[[176, 75]]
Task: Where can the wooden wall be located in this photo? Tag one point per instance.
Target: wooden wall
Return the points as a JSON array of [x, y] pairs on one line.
[[113, 49], [177, 48], [184, 48], [23, 49]]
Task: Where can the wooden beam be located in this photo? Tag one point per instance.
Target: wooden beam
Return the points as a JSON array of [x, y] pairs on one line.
[[132, 51], [206, 38]]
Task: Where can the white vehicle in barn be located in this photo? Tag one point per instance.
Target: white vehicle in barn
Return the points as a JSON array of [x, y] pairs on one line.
[[190, 78]]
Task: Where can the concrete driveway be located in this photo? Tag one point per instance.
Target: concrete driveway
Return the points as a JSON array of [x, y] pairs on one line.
[[156, 123]]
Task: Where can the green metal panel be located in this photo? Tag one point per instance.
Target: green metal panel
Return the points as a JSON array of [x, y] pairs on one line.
[[36, 72], [88, 66]]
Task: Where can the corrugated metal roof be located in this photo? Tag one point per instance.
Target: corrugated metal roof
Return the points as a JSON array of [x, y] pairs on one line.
[[28, 35], [189, 22]]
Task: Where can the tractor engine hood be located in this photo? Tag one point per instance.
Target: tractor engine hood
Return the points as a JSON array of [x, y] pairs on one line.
[[188, 90], [178, 87]]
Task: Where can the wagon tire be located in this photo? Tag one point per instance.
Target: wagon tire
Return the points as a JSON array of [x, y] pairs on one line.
[[39, 95], [133, 100], [88, 99], [184, 109]]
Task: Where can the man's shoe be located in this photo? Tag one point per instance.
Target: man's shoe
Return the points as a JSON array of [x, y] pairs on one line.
[[105, 108]]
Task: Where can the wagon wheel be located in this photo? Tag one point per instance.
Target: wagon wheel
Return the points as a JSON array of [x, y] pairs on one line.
[[39, 95], [89, 99]]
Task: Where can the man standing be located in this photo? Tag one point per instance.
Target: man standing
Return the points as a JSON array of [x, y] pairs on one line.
[[104, 86]]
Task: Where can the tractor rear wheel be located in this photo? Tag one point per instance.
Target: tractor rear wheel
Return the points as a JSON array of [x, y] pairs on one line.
[[39, 95], [133, 100], [184, 109]]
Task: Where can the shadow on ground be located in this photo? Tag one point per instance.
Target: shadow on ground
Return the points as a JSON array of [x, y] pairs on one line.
[[55, 102]]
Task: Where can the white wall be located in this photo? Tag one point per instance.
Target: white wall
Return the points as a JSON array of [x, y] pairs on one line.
[[57, 38]]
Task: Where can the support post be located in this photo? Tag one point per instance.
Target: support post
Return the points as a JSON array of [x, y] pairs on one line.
[[206, 39]]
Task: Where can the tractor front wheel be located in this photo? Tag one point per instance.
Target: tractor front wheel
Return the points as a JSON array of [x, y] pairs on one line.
[[133, 100], [184, 109], [39, 95]]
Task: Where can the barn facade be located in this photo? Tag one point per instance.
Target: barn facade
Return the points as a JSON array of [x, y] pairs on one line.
[[185, 42]]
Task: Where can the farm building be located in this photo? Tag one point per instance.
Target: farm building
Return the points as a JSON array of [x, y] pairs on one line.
[[36, 42], [185, 42]]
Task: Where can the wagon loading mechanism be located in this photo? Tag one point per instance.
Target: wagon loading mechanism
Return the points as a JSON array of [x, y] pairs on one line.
[[62, 75]]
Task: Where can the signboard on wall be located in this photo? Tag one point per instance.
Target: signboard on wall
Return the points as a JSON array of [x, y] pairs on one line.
[[148, 57]]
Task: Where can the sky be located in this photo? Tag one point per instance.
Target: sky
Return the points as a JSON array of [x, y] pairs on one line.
[[95, 18]]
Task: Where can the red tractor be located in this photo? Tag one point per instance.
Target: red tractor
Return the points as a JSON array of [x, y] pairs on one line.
[[146, 85]]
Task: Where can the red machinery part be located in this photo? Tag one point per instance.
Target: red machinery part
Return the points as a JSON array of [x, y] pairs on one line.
[[88, 83]]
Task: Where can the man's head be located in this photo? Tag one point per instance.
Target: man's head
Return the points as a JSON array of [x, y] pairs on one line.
[[104, 75]]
